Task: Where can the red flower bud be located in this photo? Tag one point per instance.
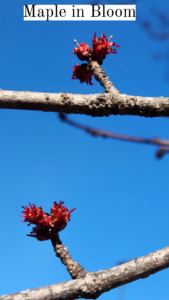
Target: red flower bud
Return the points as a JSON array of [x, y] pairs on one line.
[[102, 47], [83, 51], [40, 233], [83, 73], [46, 225], [33, 214]]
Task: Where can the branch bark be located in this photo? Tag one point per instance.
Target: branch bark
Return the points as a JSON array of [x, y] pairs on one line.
[[97, 105], [73, 267], [164, 144], [161, 151], [96, 283]]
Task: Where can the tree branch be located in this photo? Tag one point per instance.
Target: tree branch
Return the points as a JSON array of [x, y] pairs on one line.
[[161, 151], [101, 77], [164, 144], [96, 283], [73, 267], [103, 104]]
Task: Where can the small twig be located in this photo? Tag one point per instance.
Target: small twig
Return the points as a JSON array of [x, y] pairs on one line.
[[101, 77], [161, 151], [164, 144], [74, 269]]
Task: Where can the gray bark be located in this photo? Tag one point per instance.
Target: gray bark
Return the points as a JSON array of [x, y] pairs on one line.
[[97, 105], [95, 283], [75, 270], [103, 104]]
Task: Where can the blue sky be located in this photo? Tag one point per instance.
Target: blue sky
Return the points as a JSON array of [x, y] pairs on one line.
[[119, 189]]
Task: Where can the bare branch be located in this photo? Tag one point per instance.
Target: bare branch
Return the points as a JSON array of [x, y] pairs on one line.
[[164, 144], [161, 151], [101, 76], [97, 132], [73, 267], [157, 32], [103, 104], [96, 283]]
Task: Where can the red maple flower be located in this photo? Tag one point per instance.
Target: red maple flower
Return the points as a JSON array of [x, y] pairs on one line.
[[102, 47], [41, 233], [83, 73], [59, 216], [83, 51], [33, 214], [46, 225]]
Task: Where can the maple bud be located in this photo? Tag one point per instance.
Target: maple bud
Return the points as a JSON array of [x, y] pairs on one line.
[[83, 51], [46, 225], [83, 73], [102, 47]]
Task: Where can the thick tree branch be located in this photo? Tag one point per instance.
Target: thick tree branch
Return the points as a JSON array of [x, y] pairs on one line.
[[103, 104], [164, 144], [73, 267], [96, 283]]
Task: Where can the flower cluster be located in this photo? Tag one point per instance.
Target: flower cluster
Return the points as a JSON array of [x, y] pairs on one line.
[[46, 225], [83, 73], [100, 48], [83, 51]]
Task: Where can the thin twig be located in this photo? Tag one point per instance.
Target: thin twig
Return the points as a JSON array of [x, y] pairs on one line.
[[73, 267], [164, 144], [161, 151], [101, 77]]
